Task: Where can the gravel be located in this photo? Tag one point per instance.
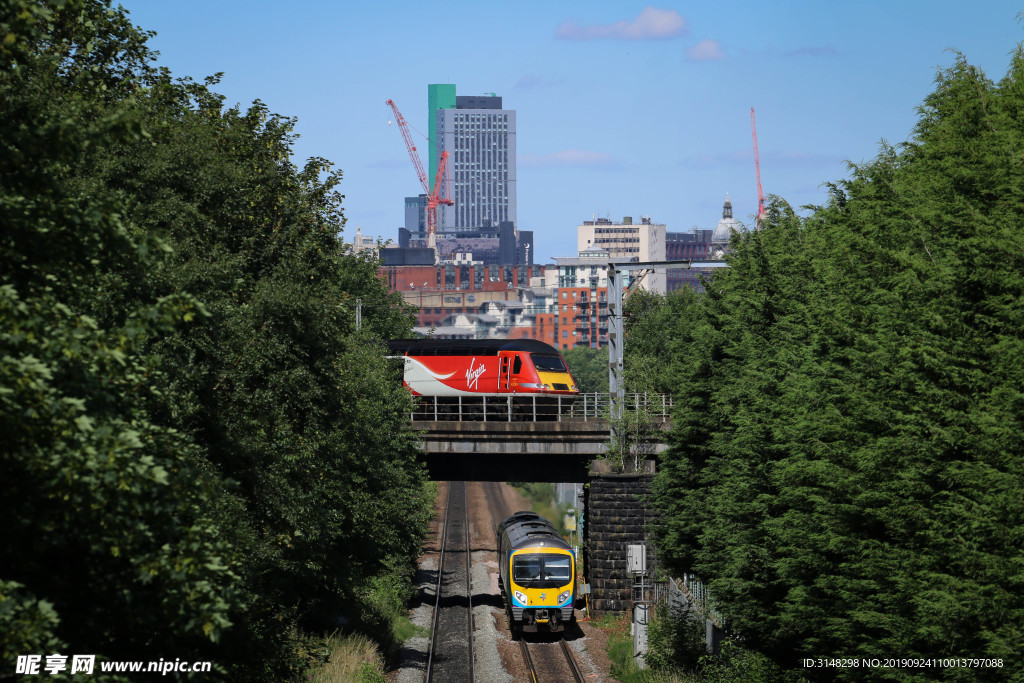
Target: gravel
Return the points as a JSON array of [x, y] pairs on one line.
[[412, 657], [485, 642]]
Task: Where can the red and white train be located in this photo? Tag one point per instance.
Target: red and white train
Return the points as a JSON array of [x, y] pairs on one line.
[[483, 368]]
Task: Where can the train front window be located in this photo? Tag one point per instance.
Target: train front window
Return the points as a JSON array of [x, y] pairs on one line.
[[526, 568], [557, 568], [542, 571], [548, 362]]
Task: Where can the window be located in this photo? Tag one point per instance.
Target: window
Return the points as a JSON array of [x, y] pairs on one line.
[[526, 568], [542, 570], [557, 568]]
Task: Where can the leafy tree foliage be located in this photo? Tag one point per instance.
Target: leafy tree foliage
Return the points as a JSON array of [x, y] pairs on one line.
[[201, 454], [589, 367], [658, 329], [845, 469]]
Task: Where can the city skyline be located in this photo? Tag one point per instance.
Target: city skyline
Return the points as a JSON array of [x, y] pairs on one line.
[[624, 109]]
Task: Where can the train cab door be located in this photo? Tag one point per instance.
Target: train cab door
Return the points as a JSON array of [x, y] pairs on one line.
[[505, 361]]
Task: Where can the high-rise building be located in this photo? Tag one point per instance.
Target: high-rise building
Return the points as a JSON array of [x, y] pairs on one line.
[[439, 96], [480, 138], [416, 216]]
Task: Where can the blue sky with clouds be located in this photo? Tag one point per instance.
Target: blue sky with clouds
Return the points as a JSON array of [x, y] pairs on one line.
[[623, 108]]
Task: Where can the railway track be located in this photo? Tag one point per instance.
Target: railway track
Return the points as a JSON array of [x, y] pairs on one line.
[[496, 503], [546, 661], [550, 662], [451, 657]]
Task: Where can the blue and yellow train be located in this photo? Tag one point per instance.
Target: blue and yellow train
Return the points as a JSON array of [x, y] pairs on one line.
[[536, 574]]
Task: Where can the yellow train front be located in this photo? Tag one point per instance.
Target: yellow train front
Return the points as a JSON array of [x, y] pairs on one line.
[[536, 573]]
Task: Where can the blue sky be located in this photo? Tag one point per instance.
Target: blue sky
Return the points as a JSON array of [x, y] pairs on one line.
[[623, 108]]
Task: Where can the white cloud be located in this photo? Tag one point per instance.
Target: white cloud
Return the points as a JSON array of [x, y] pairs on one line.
[[651, 24], [705, 51], [568, 157]]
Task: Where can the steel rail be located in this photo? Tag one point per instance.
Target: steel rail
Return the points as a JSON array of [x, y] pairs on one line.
[[574, 668], [437, 593], [469, 586], [567, 651], [528, 659]]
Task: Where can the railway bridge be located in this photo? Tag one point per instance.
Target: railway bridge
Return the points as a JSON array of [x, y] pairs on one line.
[[503, 441]]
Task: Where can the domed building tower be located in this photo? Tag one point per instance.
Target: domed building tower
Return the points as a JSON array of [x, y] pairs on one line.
[[724, 230]]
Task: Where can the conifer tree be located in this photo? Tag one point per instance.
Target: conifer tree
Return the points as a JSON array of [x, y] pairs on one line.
[[846, 470]]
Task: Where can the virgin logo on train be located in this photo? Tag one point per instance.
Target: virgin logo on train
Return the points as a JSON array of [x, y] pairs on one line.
[[473, 374]]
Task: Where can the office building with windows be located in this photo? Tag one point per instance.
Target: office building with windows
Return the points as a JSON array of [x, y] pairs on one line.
[[480, 138]]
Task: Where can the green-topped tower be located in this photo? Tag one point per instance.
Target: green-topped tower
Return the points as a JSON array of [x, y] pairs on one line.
[[480, 139], [439, 96]]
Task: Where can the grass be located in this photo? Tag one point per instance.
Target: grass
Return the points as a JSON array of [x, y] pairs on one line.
[[405, 629], [620, 649], [352, 659], [620, 652]]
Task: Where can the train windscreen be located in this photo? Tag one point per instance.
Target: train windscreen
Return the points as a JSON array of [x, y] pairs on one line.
[[542, 571], [548, 362]]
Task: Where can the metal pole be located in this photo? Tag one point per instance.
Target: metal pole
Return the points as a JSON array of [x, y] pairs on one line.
[[616, 389]]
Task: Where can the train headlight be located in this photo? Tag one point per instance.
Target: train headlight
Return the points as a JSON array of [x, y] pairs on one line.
[[574, 387], [547, 386], [562, 597], [521, 597]]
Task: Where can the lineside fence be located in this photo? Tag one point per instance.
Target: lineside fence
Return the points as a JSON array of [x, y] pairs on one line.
[[687, 598], [690, 590], [687, 594], [537, 408]]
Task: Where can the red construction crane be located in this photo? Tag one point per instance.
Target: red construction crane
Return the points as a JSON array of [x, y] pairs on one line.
[[441, 193], [757, 169]]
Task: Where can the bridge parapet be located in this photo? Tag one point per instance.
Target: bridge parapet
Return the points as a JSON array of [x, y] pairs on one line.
[[537, 408]]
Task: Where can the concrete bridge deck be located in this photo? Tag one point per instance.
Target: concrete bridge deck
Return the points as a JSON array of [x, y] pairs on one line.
[[518, 451]]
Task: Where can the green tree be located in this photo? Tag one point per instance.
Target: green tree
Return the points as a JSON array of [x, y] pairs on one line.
[[589, 367], [845, 472], [234, 468], [109, 542]]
